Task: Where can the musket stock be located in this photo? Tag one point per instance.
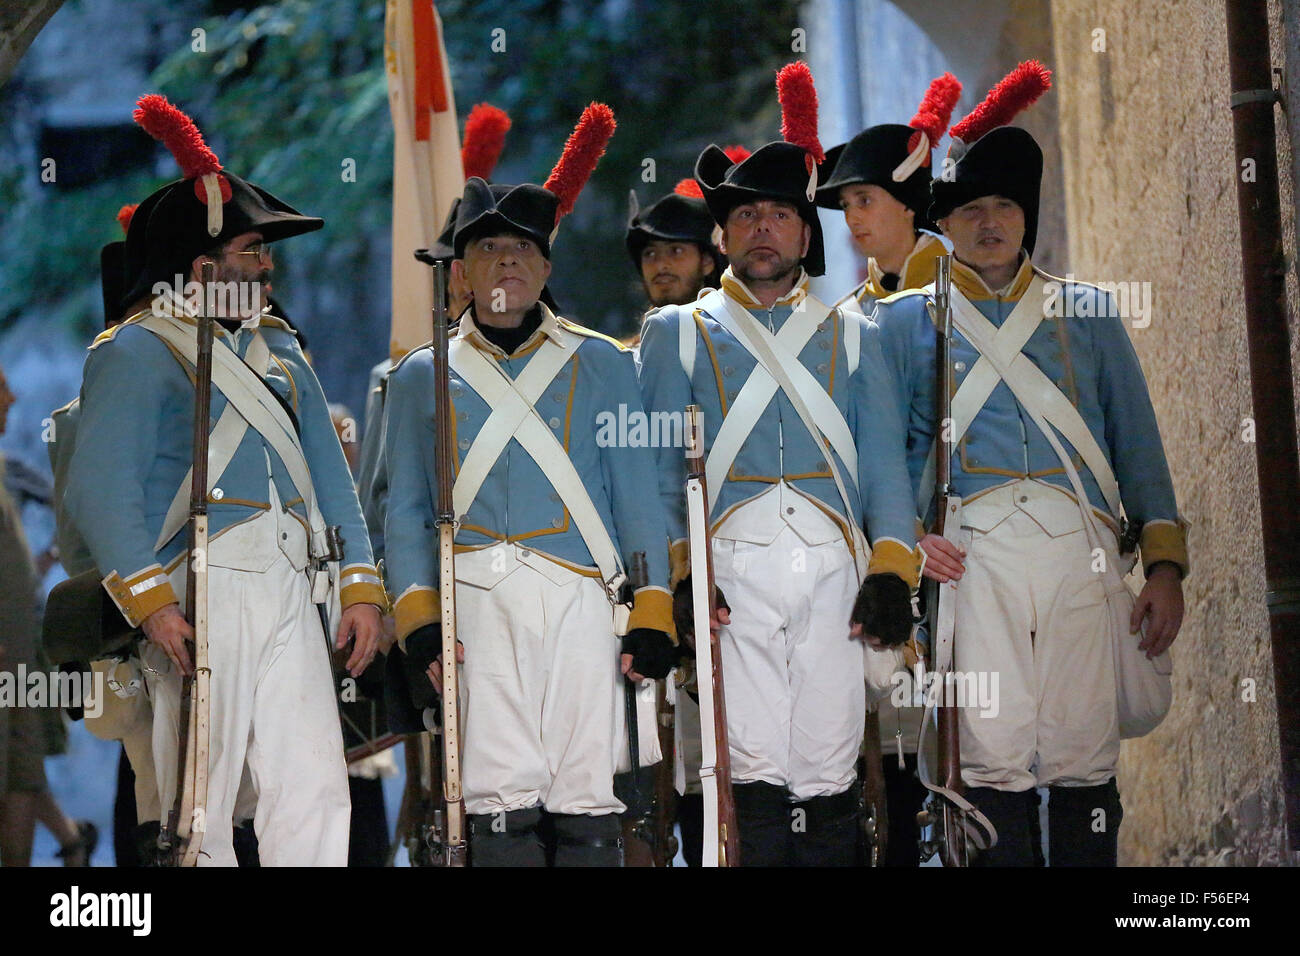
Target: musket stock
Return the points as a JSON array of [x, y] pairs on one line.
[[182, 838], [639, 849], [720, 831], [452, 824], [951, 820], [454, 842]]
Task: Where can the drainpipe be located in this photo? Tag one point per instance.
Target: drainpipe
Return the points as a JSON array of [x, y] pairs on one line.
[[1272, 394]]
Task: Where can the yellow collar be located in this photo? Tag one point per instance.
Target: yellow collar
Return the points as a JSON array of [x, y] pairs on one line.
[[549, 328], [918, 267], [975, 289], [740, 292]]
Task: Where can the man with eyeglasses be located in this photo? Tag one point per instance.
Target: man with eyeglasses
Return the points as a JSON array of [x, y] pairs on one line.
[[277, 480]]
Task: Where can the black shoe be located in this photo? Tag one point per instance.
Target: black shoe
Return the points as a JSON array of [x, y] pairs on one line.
[[582, 840], [1011, 813], [1083, 825], [508, 838], [828, 835], [765, 818]]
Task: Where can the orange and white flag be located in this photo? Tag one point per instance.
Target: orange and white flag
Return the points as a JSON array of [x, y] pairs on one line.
[[427, 173]]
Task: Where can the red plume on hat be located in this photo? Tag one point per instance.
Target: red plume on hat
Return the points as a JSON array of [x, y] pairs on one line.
[[124, 216], [175, 130], [1016, 91], [737, 154], [689, 188], [581, 153], [798, 96], [485, 136], [932, 116]]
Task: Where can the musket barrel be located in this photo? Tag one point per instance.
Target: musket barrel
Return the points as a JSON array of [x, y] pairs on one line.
[[453, 816], [181, 838], [951, 818]]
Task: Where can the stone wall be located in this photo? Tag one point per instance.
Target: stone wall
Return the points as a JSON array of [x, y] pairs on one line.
[[1146, 139]]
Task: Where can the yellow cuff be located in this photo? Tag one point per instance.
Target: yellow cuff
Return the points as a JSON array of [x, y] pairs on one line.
[[889, 556], [679, 562], [1164, 540], [360, 584], [416, 607], [140, 594], [653, 608]]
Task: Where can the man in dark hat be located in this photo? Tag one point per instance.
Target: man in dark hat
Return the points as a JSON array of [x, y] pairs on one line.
[[794, 472], [671, 246], [881, 180], [485, 134], [1060, 471], [277, 479], [552, 506]]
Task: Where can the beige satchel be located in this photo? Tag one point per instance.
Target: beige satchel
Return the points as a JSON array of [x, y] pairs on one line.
[[1143, 687], [118, 697]]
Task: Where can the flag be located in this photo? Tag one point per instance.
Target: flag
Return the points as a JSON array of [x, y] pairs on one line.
[[427, 174]]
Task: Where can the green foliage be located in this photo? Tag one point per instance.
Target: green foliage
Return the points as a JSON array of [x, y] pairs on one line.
[[289, 90], [295, 89], [50, 246], [678, 76]]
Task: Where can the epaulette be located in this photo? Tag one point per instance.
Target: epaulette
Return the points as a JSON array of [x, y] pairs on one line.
[[853, 295], [896, 296], [403, 360], [107, 334], [67, 407], [1064, 282], [590, 333], [275, 322]]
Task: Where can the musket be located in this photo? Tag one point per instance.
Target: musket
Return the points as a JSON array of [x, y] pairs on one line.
[[951, 836], [721, 836], [875, 811], [453, 838], [182, 839], [371, 747], [665, 803], [639, 849]]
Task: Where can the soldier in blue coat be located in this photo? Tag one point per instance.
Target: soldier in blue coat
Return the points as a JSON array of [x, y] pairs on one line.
[[270, 497], [789, 503], [1031, 605], [551, 509]]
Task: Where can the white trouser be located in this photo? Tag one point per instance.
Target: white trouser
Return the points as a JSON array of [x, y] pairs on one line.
[[1032, 611], [137, 741], [793, 676], [272, 707], [541, 694]]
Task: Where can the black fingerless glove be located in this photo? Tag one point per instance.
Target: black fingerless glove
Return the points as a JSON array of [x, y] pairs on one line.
[[423, 645], [653, 652], [884, 609]]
